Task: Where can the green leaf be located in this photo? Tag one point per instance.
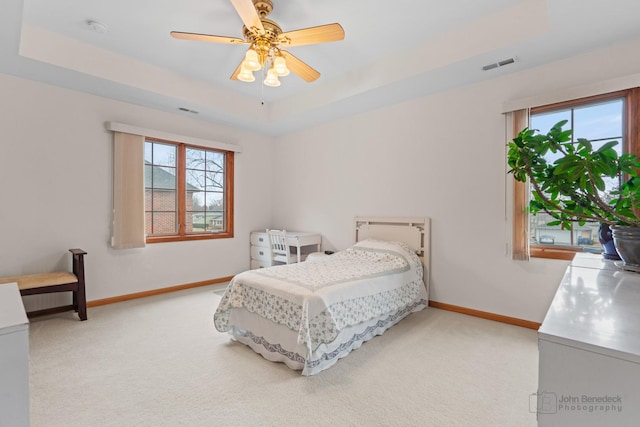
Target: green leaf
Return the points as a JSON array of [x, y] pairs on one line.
[[560, 124], [598, 182], [607, 146], [585, 143]]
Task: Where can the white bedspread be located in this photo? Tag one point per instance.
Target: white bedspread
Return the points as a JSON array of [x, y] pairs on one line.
[[318, 299]]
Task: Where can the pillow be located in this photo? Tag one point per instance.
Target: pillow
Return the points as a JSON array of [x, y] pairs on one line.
[[384, 244]]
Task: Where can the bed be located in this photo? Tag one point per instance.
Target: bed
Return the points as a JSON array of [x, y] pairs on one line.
[[311, 314]]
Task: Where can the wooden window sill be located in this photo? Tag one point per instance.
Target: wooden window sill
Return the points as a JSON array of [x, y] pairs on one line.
[[560, 253]]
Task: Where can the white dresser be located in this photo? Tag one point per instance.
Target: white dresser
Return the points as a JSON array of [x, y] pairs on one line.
[[301, 243], [589, 348], [14, 358]]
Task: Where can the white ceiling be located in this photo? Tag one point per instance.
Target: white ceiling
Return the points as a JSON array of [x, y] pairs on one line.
[[393, 51]]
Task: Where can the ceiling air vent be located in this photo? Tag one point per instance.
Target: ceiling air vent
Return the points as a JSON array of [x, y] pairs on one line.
[[499, 64]]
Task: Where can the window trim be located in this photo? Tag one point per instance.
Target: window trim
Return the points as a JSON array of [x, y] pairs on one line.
[[181, 236], [631, 131]]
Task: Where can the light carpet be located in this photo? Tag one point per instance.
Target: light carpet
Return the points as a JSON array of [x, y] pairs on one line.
[[159, 361]]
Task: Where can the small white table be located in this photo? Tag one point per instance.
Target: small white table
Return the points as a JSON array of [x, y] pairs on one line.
[[304, 242], [301, 239]]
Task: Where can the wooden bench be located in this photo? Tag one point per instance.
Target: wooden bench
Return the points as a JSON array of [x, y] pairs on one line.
[[44, 283]]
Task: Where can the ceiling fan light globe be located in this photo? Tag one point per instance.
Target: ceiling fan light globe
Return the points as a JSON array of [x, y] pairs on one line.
[[272, 79], [280, 67], [251, 61], [272, 83], [246, 75]]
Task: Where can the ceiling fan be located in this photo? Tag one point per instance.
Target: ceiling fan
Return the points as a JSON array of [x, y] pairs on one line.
[[266, 41]]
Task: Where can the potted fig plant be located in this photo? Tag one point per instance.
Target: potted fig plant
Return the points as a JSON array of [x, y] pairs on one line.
[[572, 189]]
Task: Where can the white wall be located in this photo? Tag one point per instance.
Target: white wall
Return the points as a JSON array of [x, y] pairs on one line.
[[56, 192], [442, 156]]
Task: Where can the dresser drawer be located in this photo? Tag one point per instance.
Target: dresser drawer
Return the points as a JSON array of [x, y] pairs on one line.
[[260, 253], [260, 239], [259, 264]]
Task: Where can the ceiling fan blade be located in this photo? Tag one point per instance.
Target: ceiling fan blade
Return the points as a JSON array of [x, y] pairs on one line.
[[312, 35], [300, 68], [206, 38], [249, 15], [234, 76]]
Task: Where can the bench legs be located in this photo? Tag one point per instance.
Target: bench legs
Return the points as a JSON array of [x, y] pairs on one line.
[[79, 297]]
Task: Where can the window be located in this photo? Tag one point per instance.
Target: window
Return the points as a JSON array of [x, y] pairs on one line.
[[600, 119], [188, 192]]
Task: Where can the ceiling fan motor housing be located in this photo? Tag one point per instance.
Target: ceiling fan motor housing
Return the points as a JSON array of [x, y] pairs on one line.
[[271, 32], [264, 7]]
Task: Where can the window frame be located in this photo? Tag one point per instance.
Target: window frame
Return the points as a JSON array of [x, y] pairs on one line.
[[631, 135], [181, 235]]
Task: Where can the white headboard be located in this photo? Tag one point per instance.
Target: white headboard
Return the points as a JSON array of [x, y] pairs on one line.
[[415, 232]]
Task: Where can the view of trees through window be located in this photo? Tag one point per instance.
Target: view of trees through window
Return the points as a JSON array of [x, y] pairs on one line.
[[598, 122], [204, 190], [200, 207]]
